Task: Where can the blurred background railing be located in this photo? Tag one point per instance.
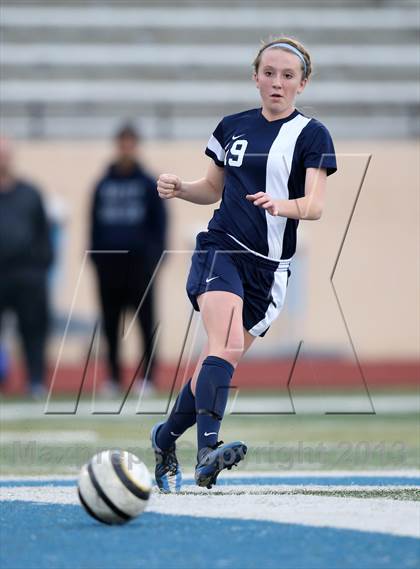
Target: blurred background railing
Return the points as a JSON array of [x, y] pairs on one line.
[[178, 65]]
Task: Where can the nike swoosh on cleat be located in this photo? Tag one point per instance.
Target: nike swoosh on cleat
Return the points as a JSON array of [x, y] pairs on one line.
[[175, 434], [206, 434], [212, 279], [235, 137]]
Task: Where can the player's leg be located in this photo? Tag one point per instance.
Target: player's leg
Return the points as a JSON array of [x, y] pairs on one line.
[[222, 317], [184, 411], [164, 435], [205, 262], [248, 341], [181, 418], [183, 414], [213, 380]]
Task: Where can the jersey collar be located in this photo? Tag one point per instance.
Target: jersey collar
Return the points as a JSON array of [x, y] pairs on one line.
[[294, 114]]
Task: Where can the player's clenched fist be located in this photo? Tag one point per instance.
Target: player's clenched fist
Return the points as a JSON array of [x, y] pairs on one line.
[[169, 186]]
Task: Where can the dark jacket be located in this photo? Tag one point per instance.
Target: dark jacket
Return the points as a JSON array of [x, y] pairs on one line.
[[127, 214], [25, 244]]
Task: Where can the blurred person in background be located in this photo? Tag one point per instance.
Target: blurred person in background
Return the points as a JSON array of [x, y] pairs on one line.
[[128, 221], [25, 256]]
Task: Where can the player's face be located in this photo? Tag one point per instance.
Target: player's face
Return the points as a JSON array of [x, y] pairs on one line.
[[279, 80]]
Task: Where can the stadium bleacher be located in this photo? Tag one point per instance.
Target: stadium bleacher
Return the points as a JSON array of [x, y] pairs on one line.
[[71, 71]]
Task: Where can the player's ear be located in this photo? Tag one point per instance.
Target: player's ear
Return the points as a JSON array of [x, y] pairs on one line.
[[255, 78], [302, 86]]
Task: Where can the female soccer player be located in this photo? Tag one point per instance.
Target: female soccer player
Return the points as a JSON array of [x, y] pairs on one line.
[[269, 165]]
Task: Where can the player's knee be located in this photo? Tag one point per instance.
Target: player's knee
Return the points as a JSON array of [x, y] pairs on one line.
[[231, 347], [233, 357], [231, 351]]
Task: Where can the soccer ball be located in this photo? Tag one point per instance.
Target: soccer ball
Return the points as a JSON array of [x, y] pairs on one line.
[[114, 486]]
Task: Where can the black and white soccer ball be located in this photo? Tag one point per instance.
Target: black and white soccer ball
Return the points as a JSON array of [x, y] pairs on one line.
[[114, 486]]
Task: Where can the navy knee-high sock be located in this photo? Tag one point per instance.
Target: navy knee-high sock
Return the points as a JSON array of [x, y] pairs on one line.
[[211, 396], [181, 418]]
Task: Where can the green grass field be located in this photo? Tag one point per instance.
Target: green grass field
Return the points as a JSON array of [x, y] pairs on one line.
[[60, 444]]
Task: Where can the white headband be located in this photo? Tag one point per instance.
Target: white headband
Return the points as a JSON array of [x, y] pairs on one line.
[[294, 50]]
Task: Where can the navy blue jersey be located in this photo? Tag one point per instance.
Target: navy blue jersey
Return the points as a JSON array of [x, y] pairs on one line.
[[266, 156]]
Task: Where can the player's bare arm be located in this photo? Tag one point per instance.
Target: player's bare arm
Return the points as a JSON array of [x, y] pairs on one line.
[[205, 191], [309, 207]]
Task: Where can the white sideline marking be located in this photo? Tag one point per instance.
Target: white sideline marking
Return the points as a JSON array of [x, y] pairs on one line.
[[380, 515], [363, 514], [40, 494], [271, 489]]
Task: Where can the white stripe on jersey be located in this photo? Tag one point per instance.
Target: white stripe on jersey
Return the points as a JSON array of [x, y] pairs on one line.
[[214, 146], [283, 263], [279, 164], [278, 292]]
